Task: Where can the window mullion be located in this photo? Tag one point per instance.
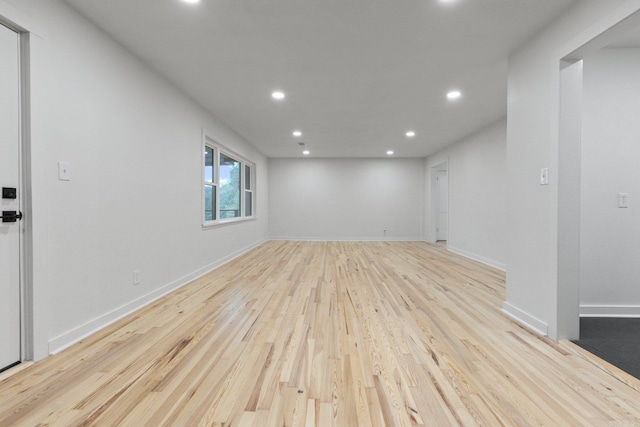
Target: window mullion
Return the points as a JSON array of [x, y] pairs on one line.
[[216, 179], [242, 204]]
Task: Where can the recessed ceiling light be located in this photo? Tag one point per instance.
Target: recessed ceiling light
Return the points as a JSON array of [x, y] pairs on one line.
[[297, 133], [390, 152], [191, 1], [278, 95], [454, 94], [410, 134], [306, 152]]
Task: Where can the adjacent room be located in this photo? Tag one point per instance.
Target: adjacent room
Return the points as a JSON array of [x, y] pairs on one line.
[[348, 212], [609, 294]]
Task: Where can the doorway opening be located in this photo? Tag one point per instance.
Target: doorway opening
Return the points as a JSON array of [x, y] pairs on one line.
[[439, 228], [598, 186]]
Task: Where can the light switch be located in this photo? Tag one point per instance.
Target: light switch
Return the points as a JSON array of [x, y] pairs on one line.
[[64, 171], [623, 200], [544, 176]]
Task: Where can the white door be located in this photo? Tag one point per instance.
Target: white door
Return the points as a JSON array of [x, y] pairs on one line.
[[9, 179], [442, 219]]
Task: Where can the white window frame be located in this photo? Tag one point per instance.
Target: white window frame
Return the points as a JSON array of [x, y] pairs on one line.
[[219, 149], [250, 190]]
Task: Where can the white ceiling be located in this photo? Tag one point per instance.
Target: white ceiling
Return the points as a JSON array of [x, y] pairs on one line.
[[357, 73]]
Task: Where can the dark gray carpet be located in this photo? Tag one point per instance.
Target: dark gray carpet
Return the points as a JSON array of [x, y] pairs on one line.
[[616, 340]]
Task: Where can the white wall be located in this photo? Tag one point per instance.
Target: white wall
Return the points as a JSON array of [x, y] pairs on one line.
[[134, 200], [532, 144], [477, 195], [610, 236], [346, 199]]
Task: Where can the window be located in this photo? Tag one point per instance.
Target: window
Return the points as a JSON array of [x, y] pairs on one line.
[[210, 186], [229, 187], [228, 191], [248, 190]]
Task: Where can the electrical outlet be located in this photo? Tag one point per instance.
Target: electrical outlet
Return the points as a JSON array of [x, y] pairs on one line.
[[623, 200], [136, 277]]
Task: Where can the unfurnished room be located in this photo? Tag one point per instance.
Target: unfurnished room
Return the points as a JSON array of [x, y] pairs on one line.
[[319, 213]]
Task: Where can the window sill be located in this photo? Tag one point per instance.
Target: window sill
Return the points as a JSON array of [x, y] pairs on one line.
[[215, 224]]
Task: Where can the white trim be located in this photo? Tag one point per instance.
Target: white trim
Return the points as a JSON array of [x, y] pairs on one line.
[[24, 196], [433, 196], [610, 311], [215, 224], [347, 239], [74, 335], [479, 258], [525, 319]]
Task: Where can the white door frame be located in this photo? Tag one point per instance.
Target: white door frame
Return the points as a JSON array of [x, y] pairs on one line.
[[26, 241], [569, 204], [433, 198], [442, 185]]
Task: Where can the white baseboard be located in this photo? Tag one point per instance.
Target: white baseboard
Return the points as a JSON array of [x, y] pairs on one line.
[[525, 319], [348, 239], [479, 258], [609, 311], [76, 334]]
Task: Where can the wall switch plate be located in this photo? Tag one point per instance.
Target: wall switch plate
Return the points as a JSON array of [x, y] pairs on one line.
[[136, 277], [64, 171], [544, 176], [623, 200]]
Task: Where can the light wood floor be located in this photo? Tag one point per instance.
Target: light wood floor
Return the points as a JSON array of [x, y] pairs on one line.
[[321, 334]]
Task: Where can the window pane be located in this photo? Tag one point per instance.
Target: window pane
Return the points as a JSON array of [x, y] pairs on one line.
[[247, 177], [248, 199], [208, 164], [209, 203], [229, 187]]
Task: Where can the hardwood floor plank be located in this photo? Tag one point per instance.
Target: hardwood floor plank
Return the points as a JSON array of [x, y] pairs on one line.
[[324, 334]]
